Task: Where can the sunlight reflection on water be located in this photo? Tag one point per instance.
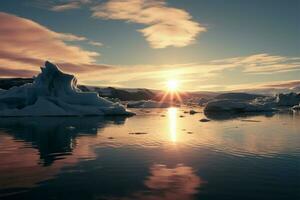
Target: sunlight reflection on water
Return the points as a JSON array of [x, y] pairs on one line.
[[171, 155], [172, 117]]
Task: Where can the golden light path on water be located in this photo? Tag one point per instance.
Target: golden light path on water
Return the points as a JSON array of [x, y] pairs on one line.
[[172, 118]]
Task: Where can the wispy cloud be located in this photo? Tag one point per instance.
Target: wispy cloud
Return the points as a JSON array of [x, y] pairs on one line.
[[165, 25], [94, 43], [272, 87], [193, 76], [25, 45], [282, 84], [263, 63], [66, 6]]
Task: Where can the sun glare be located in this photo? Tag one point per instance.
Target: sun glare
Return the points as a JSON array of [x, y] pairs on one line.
[[172, 85]]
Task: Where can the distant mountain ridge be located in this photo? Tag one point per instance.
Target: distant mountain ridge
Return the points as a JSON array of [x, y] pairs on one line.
[[123, 94], [136, 94], [6, 83]]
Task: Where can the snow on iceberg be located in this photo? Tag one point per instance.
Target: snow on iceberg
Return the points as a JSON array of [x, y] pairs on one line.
[[147, 104], [55, 93]]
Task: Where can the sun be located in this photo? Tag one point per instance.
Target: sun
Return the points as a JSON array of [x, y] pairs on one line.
[[172, 85]]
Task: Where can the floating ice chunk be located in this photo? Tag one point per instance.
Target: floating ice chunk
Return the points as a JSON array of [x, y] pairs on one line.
[[192, 112], [54, 93], [204, 120], [297, 107]]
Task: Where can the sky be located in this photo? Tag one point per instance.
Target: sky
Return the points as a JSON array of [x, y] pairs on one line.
[[207, 45]]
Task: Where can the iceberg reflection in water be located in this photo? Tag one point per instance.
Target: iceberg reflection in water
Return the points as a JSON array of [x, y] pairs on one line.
[[178, 157], [54, 137]]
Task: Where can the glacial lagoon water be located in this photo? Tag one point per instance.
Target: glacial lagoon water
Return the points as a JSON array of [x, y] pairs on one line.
[[163, 154]]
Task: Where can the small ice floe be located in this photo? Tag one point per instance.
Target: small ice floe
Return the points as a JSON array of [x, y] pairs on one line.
[[147, 104], [296, 108], [55, 93], [137, 133], [192, 112], [204, 120], [70, 128]]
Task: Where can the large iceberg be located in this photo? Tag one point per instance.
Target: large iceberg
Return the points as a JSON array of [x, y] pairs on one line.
[[290, 99], [55, 93], [257, 104], [237, 106]]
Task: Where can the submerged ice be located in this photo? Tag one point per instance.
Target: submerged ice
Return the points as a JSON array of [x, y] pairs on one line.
[[55, 93]]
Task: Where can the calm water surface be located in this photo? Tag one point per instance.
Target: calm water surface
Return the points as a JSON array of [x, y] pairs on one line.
[[162, 154]]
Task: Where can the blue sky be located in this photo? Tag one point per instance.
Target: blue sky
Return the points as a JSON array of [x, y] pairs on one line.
[[233, 29]]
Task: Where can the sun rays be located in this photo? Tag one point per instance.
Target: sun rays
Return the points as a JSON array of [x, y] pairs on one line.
[[171, 94]]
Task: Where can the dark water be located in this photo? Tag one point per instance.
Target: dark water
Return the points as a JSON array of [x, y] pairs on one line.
[[161, 154]]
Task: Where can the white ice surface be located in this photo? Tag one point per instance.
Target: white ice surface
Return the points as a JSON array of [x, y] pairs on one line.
[[55, 93]]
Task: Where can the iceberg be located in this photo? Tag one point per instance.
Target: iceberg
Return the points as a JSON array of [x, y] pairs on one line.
[[55, 93], [237, 106], [290, 99], [296, 108], [250, 104], [238, 96]]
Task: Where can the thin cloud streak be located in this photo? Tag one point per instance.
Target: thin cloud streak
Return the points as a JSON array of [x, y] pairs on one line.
[[194, 75], [7, 72], [267, 87], [263, 63], [67, 6], [94, 43], [283, 84]]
